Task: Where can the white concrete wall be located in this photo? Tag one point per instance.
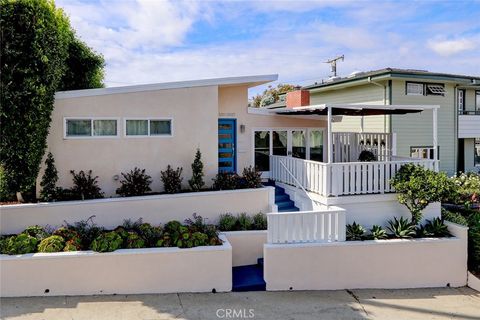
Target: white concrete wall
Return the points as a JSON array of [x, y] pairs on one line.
[[247, 246], [126, 271], [110, 213], [385, 264], [368, 210]]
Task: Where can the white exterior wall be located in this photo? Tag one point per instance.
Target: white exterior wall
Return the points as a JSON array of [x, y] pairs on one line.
[[110, 213], [383, 264], [126, 271], [247, 246], [469, 155]]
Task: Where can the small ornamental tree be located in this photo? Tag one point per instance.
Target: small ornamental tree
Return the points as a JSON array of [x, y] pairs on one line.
[[417, 187], [49, 180], [172, 179], [85, 186], [196, 182]]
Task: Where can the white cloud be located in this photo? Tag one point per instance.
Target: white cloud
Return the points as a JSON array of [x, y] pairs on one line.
[[146, 41], [450, 47]]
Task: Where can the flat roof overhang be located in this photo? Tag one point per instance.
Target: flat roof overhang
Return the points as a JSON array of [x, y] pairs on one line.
[[354, 109]]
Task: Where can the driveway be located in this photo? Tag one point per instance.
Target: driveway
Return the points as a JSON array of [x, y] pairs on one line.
[[438, 303]]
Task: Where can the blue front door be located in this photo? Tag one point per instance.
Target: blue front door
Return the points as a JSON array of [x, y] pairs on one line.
[[226, 145]]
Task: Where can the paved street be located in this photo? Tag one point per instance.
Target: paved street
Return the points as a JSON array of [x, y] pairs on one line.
[[444, 303]]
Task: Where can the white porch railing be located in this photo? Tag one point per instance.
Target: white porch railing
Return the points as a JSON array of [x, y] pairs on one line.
[[336, 179], [307, 226], [347, 146]]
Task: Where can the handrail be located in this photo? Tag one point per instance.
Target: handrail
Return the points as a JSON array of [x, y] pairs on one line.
[[295, 179]]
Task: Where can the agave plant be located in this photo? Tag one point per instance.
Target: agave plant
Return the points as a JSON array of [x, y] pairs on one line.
[[402, 228], [355, 231], [437, 228], [378, 233]]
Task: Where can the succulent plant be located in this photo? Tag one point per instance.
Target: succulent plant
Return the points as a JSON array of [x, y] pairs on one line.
[[401, 228], [378, 233], [355, 232], [68, 234], [437, 228], [37, 232], [133, 240], [106, 242], [21, 244], [51, 244], [74, 244], [150, 234]]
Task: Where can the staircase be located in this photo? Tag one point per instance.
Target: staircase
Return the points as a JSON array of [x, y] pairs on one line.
[[249, 278], [282, 200]]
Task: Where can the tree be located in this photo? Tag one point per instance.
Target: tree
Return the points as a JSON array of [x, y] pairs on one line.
[[272, 94], [36, 38], [417, 187], [84, 68], [196, 182], [49, 180]]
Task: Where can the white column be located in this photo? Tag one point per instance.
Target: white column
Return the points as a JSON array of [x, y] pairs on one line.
[[329, 133], [435, 137]]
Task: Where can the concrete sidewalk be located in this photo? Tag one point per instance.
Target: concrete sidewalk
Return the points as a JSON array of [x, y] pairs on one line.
[[440, 303]]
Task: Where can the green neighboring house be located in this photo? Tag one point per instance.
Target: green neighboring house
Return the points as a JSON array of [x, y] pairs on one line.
[[458, 118]]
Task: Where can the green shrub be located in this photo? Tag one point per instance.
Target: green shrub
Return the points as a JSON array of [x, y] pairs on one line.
[[417, 187], [199, 239], [454, 217], [74, 244], [252, 177], [107, 242], [227, 222], [36, 232], [49, 180], [260, 221], [467, 189], [401, 228], [3, 244], [51, 244], [85, 186], [212, 235], [21, 244], [197, 224], [172, 180], [474, 241], [378, 233], [355, 232], [5, 194], [226, 181], [134, 183], [367, 156], [196, 182], [244, 222], [66, 233]]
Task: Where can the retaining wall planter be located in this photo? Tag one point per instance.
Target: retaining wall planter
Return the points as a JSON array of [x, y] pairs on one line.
[[383, 264], [247, 246], [154, 209], [126, 271]]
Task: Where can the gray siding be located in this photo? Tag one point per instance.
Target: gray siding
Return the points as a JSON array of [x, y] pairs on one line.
[[368, 94], [416, 129]]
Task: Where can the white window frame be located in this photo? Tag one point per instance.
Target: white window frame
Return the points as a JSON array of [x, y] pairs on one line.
[[148, 127], [414, 94], [91, 136]]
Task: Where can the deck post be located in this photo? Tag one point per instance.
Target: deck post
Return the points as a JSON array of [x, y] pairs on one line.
[[435, 138], [329, 132]]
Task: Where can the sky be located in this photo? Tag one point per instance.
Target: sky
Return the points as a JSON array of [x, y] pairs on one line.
[[151, 41]]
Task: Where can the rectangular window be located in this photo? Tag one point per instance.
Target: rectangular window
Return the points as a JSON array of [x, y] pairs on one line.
[[148, 127], [435, 89], [316, 145], [414, 89], [477, 152], [461, 101], [423, 152], [77, 128], [262, 150]]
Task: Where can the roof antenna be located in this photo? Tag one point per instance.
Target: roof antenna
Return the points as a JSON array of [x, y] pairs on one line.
[[333, 64]]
